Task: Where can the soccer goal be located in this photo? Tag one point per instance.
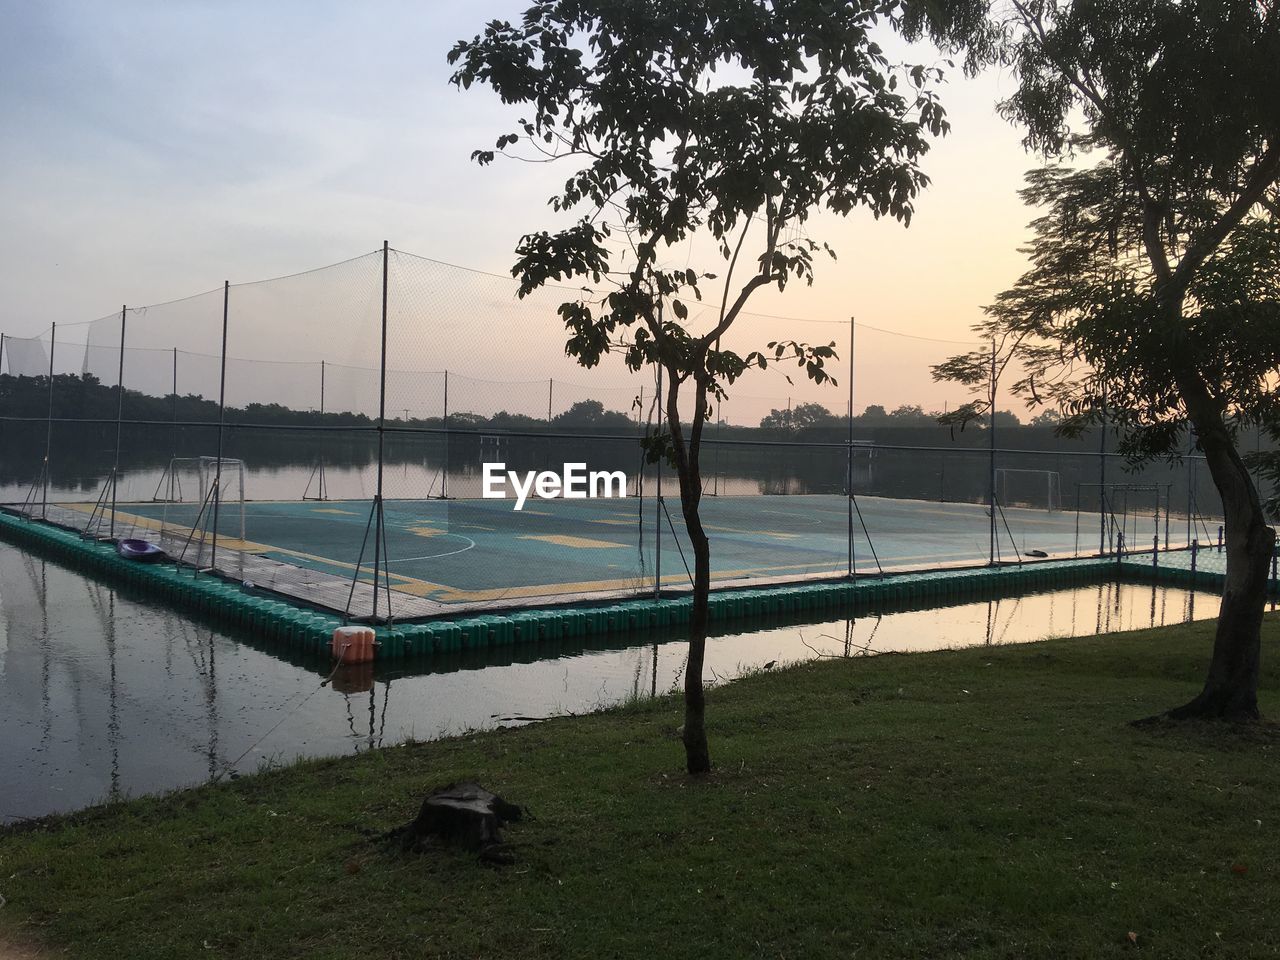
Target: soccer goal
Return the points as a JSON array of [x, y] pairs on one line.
[[1035, 489], [188, 487], [860, 465]]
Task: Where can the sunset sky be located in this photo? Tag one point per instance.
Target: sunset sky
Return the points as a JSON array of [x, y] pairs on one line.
[[154, 149]]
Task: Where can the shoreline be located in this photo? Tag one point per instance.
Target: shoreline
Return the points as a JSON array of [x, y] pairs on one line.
[[979, 801]]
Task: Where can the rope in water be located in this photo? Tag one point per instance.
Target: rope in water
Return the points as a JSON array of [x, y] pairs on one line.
[[230, 767]]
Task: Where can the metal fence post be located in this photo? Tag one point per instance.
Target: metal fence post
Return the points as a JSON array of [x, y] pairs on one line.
[[991, 489], [173, 440], [848, 469], [657, 513], [115, 468], [1102, 478], [379, 532], [222, 417], [444, 474], [48, 436]]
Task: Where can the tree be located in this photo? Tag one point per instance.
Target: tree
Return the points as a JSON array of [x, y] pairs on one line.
[[1152, 301], [802, 417], [732, 120], [912, 415], [591, 413]]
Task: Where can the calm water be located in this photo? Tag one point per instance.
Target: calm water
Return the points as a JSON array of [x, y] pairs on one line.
[[102, 696]]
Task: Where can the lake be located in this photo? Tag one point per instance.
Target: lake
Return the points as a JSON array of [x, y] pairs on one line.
[[104, 696]]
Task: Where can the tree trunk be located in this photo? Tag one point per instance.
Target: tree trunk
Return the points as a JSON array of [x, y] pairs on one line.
[[1231, 689], [697, 756], [463, 814], [689, 471]]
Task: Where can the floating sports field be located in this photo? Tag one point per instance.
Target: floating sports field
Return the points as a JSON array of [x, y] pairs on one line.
[[317, 441], [300, 629], [442, 555]]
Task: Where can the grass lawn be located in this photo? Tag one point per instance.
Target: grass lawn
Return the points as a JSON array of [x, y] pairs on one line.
[[988, 803]]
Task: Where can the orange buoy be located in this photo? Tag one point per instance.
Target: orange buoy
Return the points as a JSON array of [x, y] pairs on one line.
[[353, 644]]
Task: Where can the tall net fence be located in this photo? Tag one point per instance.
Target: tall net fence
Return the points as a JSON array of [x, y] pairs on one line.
[[373, 421]]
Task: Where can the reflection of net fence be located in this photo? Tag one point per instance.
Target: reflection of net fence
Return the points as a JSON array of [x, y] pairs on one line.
[[327, 433]]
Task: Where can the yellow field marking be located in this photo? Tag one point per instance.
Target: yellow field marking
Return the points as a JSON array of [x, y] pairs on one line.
[[581, 543], [249, 546], [349, 513], [425, 531], [755, 533], [455, 595], [447, 594], [146, 523]]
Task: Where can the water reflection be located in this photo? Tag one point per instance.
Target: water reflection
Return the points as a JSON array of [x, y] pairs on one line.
[[104, 696]]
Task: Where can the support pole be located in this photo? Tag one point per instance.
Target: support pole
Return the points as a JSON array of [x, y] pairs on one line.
[[715, 467], [323, 489], [379, 532], [173, 441], [1102, 478], [444, 474], [115, 469], [222, 417], [1191, 466], [1168, 505], [2, 339], [317, 475], [848, 488], [991, 490], [48, 435], [657, 511], [640, 472], [550, 388]]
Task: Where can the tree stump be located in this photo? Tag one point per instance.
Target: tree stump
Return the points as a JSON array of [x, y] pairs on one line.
[[463, 815]]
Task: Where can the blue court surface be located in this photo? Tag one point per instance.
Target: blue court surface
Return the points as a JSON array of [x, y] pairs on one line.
[[469, 551]]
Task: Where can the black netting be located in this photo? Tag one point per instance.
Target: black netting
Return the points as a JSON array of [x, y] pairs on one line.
[[283, 425]]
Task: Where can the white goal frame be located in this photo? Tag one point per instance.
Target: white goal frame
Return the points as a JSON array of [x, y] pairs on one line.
[[1050, 480], [206, 472]]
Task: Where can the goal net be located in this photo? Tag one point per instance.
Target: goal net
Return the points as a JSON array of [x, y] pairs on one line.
[[186, 490], [1035, 489]]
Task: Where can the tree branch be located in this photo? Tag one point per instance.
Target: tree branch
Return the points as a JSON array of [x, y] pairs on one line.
[[1265, 172]]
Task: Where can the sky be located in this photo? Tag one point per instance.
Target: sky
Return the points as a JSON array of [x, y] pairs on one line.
[[154, 149]]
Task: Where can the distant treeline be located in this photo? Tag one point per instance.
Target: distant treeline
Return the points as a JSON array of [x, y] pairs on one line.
[[801, 450], [86, 397]]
